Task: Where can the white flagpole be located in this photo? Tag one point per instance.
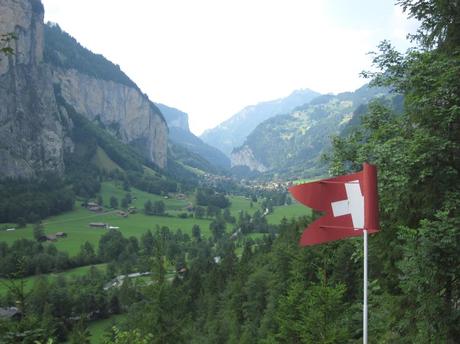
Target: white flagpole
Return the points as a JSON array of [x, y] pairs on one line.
[[365, 290]]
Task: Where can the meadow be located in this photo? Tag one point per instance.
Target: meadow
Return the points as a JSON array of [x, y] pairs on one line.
[[76, 223]]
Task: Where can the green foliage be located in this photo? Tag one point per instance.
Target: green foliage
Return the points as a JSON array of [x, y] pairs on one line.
[[32, 200], [5, 40], [128, 337], [62, 50], [417, 154]]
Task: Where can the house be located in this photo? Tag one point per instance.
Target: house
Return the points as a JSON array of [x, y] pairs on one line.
[[98, 225], [51, 237], [181, 196], [12, 313], [96, 208], [61, 235]]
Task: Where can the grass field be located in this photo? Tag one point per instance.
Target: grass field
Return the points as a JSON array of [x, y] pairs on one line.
[[287, 211], [76, 222], [29, 281]]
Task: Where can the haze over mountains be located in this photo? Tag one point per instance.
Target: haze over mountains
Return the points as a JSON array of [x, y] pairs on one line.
[[232, 132]]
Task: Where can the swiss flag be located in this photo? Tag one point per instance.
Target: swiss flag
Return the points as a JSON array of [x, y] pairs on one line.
[[350, 204]]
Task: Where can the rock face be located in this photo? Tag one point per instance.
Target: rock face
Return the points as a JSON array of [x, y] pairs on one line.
[[180, 134], [245, 157], [33, 135], [174, 117], [34, 130], [123, 110]]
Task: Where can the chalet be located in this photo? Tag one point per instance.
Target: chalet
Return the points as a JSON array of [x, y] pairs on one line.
[[61, 235], [12, 313], [181, 196], [51, 237], [98, 225], [95, 208]]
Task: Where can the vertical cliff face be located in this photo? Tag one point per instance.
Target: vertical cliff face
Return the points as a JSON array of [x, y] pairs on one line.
[[32, 131], [121, 109]]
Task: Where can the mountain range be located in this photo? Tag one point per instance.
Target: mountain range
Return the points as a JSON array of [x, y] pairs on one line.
[[232, 132], [180, 134], [292, 144]]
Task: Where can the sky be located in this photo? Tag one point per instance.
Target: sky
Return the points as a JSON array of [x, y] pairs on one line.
[[211, 58]]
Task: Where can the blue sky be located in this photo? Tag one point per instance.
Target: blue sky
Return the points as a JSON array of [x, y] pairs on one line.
[[211, 58]]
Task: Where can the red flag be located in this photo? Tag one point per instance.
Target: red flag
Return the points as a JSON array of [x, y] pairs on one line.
[[350, 204]]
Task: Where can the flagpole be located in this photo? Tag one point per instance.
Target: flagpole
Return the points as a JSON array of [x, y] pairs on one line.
[[365, 290]]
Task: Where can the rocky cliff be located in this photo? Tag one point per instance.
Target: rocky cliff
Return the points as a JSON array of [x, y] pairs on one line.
[[121, 109], [180, 134], [174, 117], [34, 130], [33, 135], [244, 156]]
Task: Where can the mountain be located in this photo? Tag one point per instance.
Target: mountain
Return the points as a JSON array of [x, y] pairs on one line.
[[292, 144], [233, 132], [53, 90], [180, 134]]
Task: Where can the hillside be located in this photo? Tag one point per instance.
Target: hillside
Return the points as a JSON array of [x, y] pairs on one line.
[[232, 133], [180, 135], [292, 144]]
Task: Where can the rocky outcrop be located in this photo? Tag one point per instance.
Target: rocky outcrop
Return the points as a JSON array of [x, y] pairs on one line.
[[34, 130], [245, 157], [123, 110], [33, 135], [174, 117]]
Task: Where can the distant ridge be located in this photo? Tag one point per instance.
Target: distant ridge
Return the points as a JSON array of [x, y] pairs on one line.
[[232, 133]]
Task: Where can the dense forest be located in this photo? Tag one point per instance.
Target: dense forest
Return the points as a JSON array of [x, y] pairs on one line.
[[272, 290]]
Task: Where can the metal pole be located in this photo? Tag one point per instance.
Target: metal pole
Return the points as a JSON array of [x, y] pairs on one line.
[[365, 290]]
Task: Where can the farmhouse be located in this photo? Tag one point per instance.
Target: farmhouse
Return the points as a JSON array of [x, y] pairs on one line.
[[98, 225]]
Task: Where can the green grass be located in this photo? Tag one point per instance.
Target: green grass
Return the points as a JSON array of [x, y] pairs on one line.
[[103, 162], [76, 223], [29, 281], [240, 203], [288, 211], [98, 328]]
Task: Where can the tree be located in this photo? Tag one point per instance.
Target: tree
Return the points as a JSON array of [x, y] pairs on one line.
[[148, 207], [158, 208], [38, 231], [199, 212], [196, 232], [113, 202]]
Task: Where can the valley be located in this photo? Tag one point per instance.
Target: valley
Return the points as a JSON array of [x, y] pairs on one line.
[[119, 225]]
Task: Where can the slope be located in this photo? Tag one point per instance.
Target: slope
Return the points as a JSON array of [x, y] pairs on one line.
[[233, 132], [291, 145], [180, 135]]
